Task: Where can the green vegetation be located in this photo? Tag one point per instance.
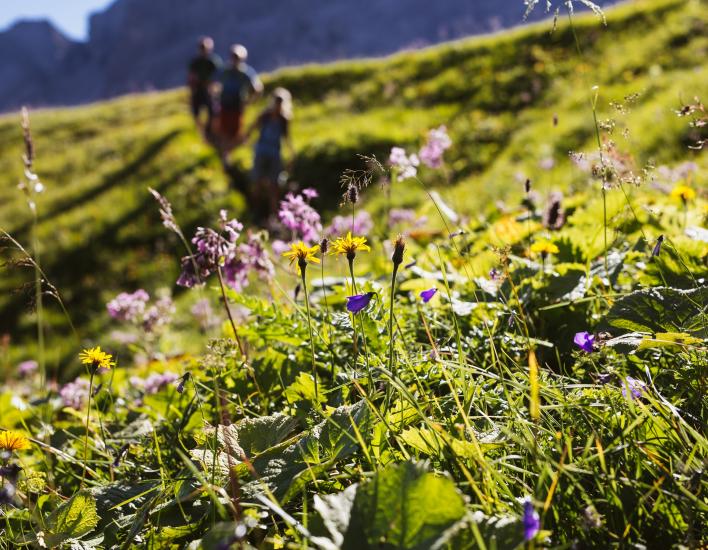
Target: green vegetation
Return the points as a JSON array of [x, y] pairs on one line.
[[562, 357]]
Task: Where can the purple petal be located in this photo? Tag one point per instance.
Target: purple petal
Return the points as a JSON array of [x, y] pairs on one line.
[[532, 522], [358, 302], [585, 341], [427, 295]]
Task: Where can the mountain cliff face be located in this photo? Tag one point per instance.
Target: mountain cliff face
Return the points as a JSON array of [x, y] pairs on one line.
[[136, 45]]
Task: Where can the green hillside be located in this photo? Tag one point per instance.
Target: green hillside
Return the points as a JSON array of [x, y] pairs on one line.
[[100, 231]]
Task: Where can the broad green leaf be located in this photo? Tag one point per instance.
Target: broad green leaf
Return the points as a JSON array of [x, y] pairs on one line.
[[286, 470], [403, 506], [668, 340], [662, 309], [303, 389], [72, 520]]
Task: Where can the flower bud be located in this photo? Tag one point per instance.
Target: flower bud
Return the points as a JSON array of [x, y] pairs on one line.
[[324, 246], [399, 246]]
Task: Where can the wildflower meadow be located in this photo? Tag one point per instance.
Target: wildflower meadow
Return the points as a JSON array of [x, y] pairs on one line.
[[488, 330]]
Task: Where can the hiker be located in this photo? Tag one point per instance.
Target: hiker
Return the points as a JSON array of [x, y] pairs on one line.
[[273, 126], [202, 70], [239, 85]]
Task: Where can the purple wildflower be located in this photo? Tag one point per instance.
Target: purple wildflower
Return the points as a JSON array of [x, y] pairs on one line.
[[298, 216], [547, 163], [182, 381], [657, 247], [427, 295], [531, 520], [203, 313], [251, 256], [75, 393], [585, 341], [159, 314], [405, 166], [128, 306], [27, 367], [155, 382], [119, 455], [400, 215], [431, 154], [220, 251], [358, 302], [310, 193], [279, 247], [636, 387], [360, 225]]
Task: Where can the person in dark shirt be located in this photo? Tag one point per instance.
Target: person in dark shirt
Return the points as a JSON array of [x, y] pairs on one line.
[[239, 85], [273, 125], [202, 70]]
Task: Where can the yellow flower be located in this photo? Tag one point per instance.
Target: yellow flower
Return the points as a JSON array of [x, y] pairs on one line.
[[13, 441], [683, 192], [349, 246], [302, 253], [96, 358], [544, 247]]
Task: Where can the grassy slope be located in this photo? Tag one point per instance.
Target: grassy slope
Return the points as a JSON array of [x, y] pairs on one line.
[[100, 229]]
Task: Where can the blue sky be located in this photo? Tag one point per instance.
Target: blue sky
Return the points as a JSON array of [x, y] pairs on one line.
[[71, 16]]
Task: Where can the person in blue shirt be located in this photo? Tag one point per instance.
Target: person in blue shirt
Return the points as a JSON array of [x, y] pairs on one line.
[[239, 85], [273, 126]]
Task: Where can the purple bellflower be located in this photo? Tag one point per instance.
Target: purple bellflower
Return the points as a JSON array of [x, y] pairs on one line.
[[359, 301], [427, 295], [585, 341], [532, 522]]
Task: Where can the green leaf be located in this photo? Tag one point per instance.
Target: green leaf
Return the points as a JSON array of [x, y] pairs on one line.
[[403, 506], [668, 340], [287, 470], [662, 309], [303, 389], [72, 520]]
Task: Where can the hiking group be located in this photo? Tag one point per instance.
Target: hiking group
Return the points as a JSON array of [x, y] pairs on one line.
[[222, 91]]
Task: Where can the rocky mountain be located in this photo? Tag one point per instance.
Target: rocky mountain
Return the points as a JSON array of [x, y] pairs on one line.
[[138, 45]]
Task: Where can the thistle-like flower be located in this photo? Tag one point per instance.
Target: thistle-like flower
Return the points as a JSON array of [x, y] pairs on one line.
[[96, 359], [683, 192], [349, 246], [303, 254], [12, 441], [544, 248]]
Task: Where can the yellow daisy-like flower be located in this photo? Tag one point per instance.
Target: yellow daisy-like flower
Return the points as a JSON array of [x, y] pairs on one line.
[[302, 253], [349, 246], [96, 358], [13, 441], [544, 248], [683, 192]]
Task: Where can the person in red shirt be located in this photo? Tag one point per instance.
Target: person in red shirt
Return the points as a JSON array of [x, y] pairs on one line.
[[239, 85]]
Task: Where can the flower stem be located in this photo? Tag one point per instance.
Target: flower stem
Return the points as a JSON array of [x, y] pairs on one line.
[[228, 312], [303, 266], [351, 315], [328, 323], [390, 322], [88, 416]]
